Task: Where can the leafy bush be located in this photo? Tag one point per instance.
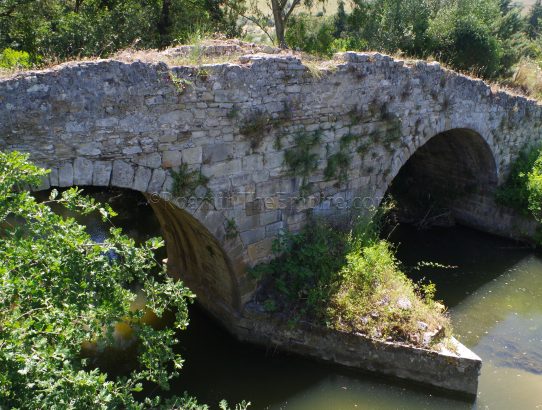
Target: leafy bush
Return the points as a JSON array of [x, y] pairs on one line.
[[10, 59], [349, 281], [466, 43], [534, 188], [60, 29], [311, 34], [515, 192], [315, 35], [62, 294]]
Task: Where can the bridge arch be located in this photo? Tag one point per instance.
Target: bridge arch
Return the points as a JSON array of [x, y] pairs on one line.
[[452, 176], [194, 253]]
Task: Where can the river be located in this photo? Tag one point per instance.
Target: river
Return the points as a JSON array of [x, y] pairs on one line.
[[492, 286]]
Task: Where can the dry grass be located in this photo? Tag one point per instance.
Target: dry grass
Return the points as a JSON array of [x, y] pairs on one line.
[[218, 50], [527, 79]]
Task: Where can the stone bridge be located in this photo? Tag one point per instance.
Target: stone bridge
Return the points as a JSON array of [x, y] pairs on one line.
[[230, 154]]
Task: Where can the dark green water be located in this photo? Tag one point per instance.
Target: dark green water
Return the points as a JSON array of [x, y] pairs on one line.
[[495, 298]]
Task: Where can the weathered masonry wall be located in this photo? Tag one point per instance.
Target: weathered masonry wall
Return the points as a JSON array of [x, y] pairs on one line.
[[109, 123]]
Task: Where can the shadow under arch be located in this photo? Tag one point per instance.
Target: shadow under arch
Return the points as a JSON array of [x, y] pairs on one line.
[[451, 178]]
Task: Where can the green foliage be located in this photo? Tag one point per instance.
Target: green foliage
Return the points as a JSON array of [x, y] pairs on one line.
[[301, 159], [534, 20], [13, 59], [62, 29], [232, 231], [514, 193], [522, 190], [180, 84], [392, 25], [186, 182], [337, 166], [306, 265], [534, 188], [61, 292], [315, 35], [311, 34], [255, 125], [349, 280], [258, 123], [464, 40], [338, 163]]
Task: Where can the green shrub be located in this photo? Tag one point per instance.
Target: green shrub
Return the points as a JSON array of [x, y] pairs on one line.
[[63, 29], [67, 311], [515, 192], [62, 293], [466, 43], [311, 34], [534, 188], [301, 159], [13, 59], [349, 280]]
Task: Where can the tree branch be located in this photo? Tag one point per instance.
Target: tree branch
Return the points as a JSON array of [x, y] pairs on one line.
[[252, 19], [292, 7]]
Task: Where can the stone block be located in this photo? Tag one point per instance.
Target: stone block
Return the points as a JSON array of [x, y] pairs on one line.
[[53, 177], [157, 181], [122, 175], [82, 171], [260, 250], [172, 159], [142, 178], [217, 152], [254, 235], [192, 156], [65, 175], [152, 160], [102, 173]]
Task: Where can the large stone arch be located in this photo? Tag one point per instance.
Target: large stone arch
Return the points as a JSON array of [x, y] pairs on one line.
[[127, 124], [198, 250]]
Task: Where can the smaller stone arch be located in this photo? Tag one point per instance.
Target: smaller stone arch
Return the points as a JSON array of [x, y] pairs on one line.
[[454, 170]]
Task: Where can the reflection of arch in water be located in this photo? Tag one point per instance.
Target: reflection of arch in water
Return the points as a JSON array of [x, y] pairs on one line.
[[454, 170]]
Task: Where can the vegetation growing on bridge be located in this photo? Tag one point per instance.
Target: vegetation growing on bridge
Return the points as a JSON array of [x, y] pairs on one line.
[[64, 300], [301, 159], [186, 184], [490, 38], [350, 280]]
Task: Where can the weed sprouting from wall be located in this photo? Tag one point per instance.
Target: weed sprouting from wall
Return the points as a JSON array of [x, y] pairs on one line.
[[232, 231], [301, 160], [356, 115], [255, 126], [258, 123], [186, 183], [339, 162], [180, 84]]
